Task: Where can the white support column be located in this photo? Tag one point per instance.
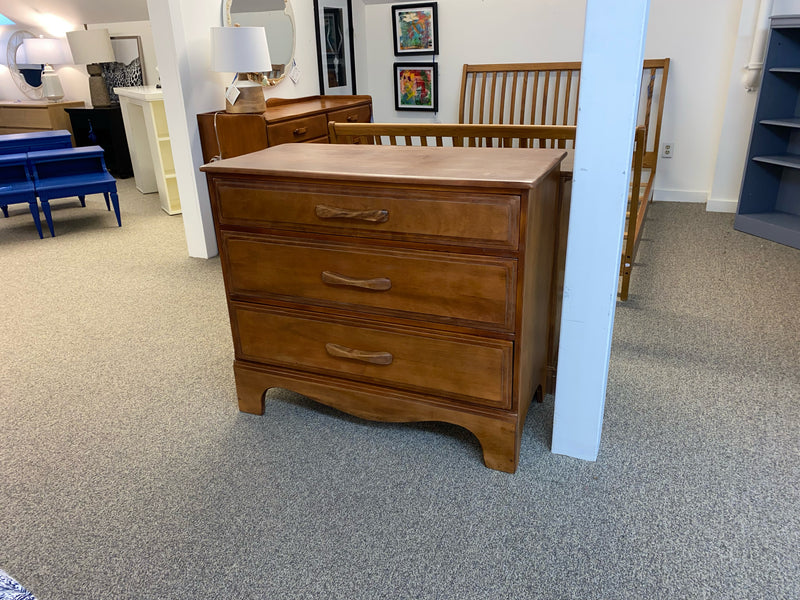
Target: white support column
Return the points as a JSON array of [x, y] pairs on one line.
[[611, 71], [182, 41]]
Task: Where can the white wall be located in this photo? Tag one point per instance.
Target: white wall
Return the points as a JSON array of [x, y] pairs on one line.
[[699, 37], [739, 109], [470, 31]]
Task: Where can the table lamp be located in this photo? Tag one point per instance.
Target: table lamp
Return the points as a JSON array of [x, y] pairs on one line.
[[47, 52], [241, 50], [92, 47]]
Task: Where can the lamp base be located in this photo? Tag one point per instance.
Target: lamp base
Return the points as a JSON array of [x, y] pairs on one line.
[[98, 92], [51, 85], [250, 100]]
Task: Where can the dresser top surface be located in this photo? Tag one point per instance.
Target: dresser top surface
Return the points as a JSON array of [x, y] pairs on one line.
[[483, 167], [40, 103]]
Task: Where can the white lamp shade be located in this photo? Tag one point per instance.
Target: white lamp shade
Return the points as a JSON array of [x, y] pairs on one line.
[[239, 50], [90, 46], [46, 51]]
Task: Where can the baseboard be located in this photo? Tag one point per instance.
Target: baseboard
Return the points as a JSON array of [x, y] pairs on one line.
[[721, 205], [679, 196]]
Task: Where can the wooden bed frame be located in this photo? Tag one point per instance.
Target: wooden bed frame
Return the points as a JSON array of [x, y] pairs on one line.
[[547, 94], [509, 136]]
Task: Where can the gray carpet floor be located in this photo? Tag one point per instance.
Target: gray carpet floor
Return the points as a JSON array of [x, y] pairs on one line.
[[128, 473]]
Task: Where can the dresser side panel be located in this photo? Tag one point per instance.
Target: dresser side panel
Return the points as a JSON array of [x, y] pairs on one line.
[[539, 220]]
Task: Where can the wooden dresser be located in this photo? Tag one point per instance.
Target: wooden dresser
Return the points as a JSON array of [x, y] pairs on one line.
[[285, 120], [22, 117], [393, 283]]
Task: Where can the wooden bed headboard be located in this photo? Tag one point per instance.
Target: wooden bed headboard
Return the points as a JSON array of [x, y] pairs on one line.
[[547, 94]]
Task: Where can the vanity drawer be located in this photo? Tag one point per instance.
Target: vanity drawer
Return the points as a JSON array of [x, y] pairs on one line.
[[460, 367], [469, 219], [448, 288], [297, 130], [26, 117], [356, 114]]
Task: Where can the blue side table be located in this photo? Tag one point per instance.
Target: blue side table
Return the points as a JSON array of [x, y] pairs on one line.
[[16, 186], [70, 172]]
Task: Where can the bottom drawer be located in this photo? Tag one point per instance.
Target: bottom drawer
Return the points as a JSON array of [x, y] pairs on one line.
[[460, 367]]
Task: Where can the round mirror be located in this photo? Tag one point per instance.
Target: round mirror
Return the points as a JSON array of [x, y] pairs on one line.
[[277, 18], [28, 78]]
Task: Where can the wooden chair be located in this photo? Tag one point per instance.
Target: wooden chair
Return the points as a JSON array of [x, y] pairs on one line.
[[547, 94], [440, 134]]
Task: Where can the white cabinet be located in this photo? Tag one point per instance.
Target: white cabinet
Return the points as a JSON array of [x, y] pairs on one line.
[[149, 144]]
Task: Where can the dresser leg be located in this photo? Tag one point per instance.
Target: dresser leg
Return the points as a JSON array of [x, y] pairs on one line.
[[250, 389], [500, 446]]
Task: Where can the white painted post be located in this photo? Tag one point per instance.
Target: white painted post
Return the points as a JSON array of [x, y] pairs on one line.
[[611, 71], [182, 41]]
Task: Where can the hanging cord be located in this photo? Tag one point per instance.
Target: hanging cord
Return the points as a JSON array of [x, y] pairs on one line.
[[217, 156]]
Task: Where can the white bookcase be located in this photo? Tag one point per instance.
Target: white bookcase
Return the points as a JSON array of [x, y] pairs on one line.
[[149, 144]]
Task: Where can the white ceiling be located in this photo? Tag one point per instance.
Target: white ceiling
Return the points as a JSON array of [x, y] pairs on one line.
[[74, 12]]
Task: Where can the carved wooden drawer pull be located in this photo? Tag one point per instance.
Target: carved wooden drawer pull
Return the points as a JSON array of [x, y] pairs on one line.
[[375, 358], [352, 118], [300, 131], [332, 212], [378, 284]]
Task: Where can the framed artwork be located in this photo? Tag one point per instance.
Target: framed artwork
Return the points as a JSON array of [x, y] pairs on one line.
[[415, 86], [415, 29], [334, 26], [127, 70]]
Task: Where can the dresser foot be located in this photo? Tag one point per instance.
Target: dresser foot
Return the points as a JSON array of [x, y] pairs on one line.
[[501, 447], [250, 388]]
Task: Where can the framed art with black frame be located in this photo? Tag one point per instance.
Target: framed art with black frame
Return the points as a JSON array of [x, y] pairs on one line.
[[415, 86], [415, 28], [334, 26]]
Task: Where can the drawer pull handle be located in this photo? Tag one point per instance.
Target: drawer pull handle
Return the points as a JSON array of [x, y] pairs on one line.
[[374, 358], [300, 131], [378, 284], [331, 212], [352, 118]]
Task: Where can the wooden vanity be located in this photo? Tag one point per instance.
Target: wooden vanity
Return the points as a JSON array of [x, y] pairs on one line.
[[285, 120], [393, 283]]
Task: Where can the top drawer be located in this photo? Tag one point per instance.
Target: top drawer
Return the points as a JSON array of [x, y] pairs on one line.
[[472, 219], [26, 117], [355, 114], [297, 130]]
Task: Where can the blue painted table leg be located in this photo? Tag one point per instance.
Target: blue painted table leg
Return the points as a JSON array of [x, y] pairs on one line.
[[115, 202], [36, 220], [48, 217], [105, 195], [83, 200], [4, 208]]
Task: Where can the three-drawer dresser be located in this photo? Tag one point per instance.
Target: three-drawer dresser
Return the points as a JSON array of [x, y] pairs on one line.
[[393, 283]]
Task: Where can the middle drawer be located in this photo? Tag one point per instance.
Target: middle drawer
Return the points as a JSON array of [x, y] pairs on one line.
[[444, 287]]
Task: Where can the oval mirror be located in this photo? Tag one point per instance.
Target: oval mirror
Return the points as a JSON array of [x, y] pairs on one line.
[[28, 78], [277, 18]]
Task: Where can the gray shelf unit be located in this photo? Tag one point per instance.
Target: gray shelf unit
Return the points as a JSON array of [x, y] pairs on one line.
[[769, 202]]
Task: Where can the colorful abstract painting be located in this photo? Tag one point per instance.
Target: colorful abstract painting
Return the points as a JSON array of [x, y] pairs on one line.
[[415, 86], [415, 29]]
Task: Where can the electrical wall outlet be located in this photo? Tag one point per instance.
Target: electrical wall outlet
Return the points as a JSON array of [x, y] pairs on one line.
[[667, 150]]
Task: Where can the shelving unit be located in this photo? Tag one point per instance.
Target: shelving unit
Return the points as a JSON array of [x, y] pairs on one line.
[[149, 143], [769, 203]]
